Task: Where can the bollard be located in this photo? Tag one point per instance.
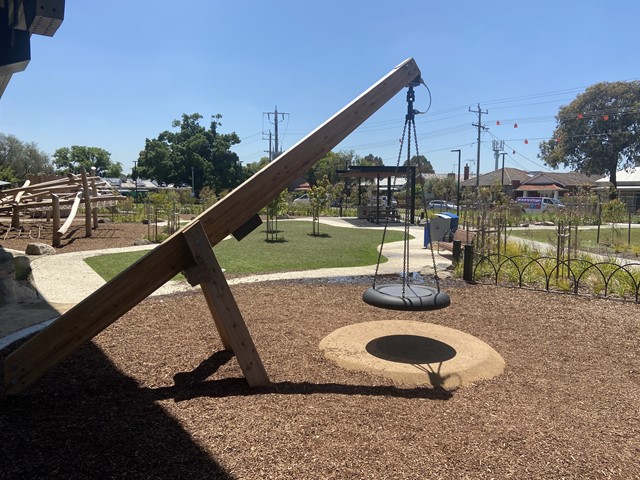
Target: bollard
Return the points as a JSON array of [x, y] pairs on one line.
[[467, 274], [457, 250]]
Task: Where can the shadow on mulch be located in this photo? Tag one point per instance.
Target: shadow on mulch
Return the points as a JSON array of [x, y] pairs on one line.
[[102, 424], [95, 425], [190, 385]]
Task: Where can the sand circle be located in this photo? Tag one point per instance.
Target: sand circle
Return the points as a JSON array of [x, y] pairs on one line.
[[413, 353]]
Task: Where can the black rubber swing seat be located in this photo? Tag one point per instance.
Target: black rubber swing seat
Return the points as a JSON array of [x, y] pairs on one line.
[[415, 297]]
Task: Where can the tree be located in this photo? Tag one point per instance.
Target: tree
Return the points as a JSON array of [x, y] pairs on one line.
[[318, 195], [70, 160], [597, 132], [421, 162], [371, 161], [193, 154], [18, 159], [251, 169]]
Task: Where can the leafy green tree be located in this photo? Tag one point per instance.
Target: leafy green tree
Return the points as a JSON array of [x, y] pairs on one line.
[[421, 162], [598, 132], [70, 160], [329, 164], [193, 154], [251, 169], [18, 159], [371, 161], [318, 196]]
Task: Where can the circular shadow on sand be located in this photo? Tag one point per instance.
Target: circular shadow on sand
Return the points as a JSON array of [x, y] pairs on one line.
[[410, 349]]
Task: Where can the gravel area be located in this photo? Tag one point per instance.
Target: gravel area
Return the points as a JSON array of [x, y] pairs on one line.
[[153, 396]]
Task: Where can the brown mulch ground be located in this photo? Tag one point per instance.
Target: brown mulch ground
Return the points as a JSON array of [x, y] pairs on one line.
[[107, 235], [153, 396]]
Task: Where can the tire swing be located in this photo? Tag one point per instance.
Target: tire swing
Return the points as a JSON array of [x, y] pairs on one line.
[[407, 296]]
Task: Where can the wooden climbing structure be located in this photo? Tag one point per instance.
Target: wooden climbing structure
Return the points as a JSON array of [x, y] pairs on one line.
[[49, 198], [190, 251]]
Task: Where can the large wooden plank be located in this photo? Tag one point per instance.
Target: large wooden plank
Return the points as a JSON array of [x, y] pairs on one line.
[[110, 302], [224, 309]]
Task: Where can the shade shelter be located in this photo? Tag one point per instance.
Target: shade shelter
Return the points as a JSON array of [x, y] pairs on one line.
[[379, 174]]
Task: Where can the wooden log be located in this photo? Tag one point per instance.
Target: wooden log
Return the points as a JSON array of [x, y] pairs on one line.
[[94, 193], [224, 309], [72, 215], [56, 220], [87, 202], [15, 217], [88, 318]]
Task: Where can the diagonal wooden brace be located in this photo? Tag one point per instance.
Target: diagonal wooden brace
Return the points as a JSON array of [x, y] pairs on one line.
[[224, 309]]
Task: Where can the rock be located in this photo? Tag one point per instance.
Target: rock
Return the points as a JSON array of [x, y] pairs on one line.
[[22, 264], [142, 241], [39, 249]]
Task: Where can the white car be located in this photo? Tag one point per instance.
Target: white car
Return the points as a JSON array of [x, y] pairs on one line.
[[302, 200], [441, 205]]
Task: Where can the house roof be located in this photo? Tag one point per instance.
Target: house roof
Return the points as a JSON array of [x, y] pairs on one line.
[[565, 179], [631, 176], [535, 188], [490, 178]]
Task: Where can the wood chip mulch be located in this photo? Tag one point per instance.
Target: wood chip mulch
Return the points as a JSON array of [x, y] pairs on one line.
[[107, 235], [153, 396]]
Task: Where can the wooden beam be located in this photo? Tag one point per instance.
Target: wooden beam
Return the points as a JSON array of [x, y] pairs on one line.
[[224, 309], [95, 313]]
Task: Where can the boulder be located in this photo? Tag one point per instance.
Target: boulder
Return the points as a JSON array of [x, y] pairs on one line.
[[39, 249], [142, 241]]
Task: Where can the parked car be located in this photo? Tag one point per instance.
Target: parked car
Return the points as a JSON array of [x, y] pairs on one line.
[[441, 205], [539, 204], [302, 200]]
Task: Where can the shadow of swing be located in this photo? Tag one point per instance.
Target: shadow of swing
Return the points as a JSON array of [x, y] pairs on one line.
[[196, 383], [415, 350]]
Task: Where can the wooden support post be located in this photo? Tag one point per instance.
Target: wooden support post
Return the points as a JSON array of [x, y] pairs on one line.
[[15, 214], [94, 193], [55, 201], [96, 312], [224, 309], [87, 202]]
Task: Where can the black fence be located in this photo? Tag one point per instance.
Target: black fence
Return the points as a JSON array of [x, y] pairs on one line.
[[573, 276]]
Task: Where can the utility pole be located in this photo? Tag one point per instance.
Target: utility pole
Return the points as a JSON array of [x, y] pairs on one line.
[[502, 181], [480, 127], [274, 117]]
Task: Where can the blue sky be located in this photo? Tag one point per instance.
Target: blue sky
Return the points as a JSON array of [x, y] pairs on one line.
[[119, 72]]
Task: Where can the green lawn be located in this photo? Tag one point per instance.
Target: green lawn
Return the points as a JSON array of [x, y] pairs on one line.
[[612, 241], [296, 250]]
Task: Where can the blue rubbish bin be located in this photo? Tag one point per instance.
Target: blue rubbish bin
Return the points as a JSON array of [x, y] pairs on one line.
[[427, 236]]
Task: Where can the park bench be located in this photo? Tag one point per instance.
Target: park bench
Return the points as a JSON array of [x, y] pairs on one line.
[[465, 236]]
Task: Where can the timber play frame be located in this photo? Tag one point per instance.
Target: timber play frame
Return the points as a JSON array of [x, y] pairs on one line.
[[190, 251]]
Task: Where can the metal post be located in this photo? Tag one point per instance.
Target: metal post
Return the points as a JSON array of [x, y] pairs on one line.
[[467, 274]]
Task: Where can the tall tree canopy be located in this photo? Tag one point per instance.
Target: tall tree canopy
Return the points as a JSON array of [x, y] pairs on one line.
[[18, 159], [69, 160], [422, 162], [173, 157], [598, 132]]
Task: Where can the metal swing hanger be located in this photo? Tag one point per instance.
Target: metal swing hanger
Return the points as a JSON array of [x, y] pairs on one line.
[[407, 296]]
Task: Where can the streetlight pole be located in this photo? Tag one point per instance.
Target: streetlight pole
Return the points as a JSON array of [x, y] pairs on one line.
[[502, 181], [458, 192]]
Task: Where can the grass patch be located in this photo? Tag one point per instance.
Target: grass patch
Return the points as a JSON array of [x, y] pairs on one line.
[[296, 250], [612, 240]]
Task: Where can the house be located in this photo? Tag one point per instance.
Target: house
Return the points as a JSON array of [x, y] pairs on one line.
[[520, 183], [628, 187]]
